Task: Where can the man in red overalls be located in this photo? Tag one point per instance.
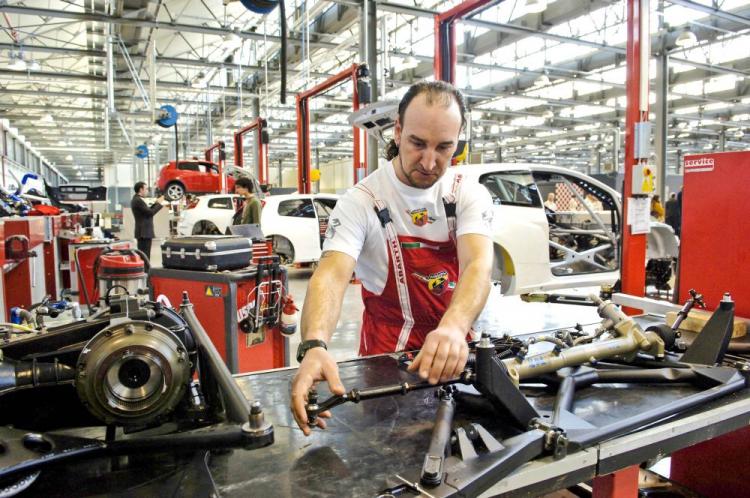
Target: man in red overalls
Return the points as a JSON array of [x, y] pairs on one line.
[[418, 239]]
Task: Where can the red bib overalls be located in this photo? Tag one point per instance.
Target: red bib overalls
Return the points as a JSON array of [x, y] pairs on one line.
[[421, 277]]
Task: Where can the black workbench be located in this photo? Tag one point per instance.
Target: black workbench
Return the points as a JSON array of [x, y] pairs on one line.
[[367, 445]]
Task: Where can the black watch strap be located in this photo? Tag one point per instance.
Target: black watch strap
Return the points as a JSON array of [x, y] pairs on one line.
[[305, 346]]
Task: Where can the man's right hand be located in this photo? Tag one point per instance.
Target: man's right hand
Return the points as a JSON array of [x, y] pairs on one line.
[[160, 199], [317, 365]]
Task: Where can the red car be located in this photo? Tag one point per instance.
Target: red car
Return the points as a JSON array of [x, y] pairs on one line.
[[190, 177]]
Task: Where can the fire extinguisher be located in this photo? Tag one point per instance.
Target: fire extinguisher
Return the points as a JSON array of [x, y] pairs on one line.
[[288, 315]]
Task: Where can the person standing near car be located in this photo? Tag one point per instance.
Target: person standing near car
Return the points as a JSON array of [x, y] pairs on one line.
[[672, 213], [251, 208], [144, 217], [419, 238]]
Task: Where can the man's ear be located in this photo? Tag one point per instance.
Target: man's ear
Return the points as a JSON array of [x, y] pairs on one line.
[[397, 131]]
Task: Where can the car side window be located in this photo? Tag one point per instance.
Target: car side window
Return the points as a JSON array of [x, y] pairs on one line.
[[324, 207], [221, 203], [188, 167], [512, 188], [206, 167], [297, 208]]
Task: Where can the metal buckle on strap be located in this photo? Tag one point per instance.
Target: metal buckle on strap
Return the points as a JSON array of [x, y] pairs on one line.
[[450, 209], [383, 215]]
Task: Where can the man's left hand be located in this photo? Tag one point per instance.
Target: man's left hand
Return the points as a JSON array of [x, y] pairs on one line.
[[443, 355]]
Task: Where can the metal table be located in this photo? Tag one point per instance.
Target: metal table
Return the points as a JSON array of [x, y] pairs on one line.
[[368, 444]]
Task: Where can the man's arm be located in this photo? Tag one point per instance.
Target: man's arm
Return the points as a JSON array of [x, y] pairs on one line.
[[445, 351], [320, 313], [139, 206]]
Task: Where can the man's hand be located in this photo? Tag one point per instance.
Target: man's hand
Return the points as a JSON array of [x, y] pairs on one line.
[[317, 365], [160, 199], [443, 355]]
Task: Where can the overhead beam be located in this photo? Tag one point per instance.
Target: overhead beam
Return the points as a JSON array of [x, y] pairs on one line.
[[145, 23]]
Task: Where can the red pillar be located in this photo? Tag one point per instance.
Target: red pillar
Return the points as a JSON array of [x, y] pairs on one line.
[[620, 484], [633, 265]]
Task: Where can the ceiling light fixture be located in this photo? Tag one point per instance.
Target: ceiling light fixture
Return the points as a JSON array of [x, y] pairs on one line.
[[47, 118], [34, 66], [542, 80], [535, 6], [410, 62], [199, 81], [69, 157], [548, 114], [17, 64], [686, 39]]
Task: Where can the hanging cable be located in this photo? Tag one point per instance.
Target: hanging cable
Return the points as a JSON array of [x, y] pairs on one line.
[[282, 61], [265, 64]]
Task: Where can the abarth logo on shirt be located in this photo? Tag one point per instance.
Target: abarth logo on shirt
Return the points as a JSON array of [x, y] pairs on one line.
[[437, 283], [420, 217]]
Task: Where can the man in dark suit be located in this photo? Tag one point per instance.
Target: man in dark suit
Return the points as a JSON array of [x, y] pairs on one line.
[[144, 217]]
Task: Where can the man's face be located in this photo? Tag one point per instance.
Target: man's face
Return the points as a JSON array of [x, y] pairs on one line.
[[426, 140], [142, 191], [240, 191]]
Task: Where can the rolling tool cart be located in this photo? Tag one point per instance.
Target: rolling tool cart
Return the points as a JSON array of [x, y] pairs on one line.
[[241, 310]]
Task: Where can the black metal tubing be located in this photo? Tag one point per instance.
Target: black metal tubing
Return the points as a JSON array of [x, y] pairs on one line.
[[235, 403], [493, 381], [590, 437], [472, 477], [357, 395], [432, 468]]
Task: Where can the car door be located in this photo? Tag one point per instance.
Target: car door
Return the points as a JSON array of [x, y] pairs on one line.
[[583, 229], [298, 222], [190, 176], [323, 209], [212, 179], [520, 231]]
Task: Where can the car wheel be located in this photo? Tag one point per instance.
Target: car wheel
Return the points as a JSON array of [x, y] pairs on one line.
[[204, 227], [284, 249], [174, 191]]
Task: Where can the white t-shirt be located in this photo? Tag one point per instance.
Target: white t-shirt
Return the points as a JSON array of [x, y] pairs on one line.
[[354, 228]]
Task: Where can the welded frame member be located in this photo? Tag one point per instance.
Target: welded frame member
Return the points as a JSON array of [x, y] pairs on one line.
[[418, 238]]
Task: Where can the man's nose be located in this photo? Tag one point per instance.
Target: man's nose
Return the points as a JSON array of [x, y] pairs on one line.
[[429, 160]]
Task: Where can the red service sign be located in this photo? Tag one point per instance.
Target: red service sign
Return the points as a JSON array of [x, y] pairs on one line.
[[715, 238]]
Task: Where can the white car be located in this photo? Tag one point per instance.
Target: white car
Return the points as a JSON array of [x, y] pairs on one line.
[[295, 223], [538, 248]]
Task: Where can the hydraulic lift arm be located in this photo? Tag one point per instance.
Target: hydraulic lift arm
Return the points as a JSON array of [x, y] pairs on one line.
[[358, 74], [262, 140]]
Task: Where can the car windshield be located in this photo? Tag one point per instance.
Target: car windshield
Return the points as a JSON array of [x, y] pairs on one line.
[[513, 188]]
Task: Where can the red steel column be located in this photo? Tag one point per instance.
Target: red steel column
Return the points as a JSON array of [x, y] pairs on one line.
[[620, 484], [633, 264]]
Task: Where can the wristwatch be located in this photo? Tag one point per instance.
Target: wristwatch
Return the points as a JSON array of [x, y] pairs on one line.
[[305, 346]]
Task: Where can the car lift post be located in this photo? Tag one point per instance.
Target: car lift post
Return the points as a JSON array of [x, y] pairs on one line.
[[259, 124], [633, 260], [355, 73], [209, 155], [445, 38]]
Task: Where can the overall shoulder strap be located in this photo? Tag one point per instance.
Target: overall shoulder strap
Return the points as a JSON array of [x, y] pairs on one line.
[[449, 201], [399, 268]]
